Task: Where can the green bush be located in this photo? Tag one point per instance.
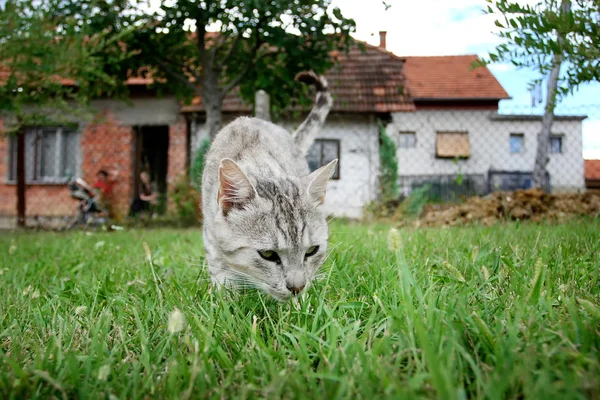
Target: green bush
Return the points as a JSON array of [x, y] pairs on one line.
[[416, 201], [388, 178], [198, 164], [187, 200]]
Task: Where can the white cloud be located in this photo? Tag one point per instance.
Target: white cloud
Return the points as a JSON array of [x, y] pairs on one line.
[[497, 68], [591, 139], [426, 27]]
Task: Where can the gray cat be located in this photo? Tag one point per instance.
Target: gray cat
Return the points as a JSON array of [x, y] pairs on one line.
[[263, 224]]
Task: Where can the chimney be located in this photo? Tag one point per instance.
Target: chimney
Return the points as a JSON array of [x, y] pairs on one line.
[[382, 39]]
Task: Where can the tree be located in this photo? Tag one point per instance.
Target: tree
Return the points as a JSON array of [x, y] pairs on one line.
[[50, 66], [544, 37], [258, 44]]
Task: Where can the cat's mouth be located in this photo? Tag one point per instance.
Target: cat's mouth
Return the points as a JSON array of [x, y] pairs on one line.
[[285, 295], [282, 295], [278, 292]]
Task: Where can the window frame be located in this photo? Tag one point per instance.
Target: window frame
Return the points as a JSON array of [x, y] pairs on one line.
[[413, 133], [338, 143], [561, 138], [59, 133], [522, 148], [460, 157]]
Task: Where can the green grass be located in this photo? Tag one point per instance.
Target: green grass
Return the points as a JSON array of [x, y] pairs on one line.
[[510, 311]]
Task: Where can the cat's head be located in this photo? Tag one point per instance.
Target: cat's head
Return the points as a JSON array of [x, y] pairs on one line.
[[272, 233]]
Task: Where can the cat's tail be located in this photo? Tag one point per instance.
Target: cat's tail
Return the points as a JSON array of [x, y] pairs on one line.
[[305, 135]]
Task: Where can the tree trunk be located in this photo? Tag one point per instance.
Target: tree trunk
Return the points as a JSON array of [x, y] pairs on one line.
[[21, 177], [213, 103], [213, 118], [541, 157]]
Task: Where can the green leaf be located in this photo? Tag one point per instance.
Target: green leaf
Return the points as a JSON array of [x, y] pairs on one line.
[[538, 282]]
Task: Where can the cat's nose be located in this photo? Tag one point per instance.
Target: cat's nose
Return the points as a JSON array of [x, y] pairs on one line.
[[295, 289]]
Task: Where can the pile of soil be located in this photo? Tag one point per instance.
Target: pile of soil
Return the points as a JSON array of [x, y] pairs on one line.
[[532, 204]]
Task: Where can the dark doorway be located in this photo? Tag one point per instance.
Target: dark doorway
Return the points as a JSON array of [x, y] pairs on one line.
[[152, 146]]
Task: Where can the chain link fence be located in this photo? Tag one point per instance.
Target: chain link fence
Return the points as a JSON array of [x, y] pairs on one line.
[[455, 153]]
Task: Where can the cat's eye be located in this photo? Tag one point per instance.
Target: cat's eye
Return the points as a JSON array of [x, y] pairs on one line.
[[269, 255], [311, 251]]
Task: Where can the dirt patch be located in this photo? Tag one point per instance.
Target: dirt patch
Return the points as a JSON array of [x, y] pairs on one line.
[[532, 204]]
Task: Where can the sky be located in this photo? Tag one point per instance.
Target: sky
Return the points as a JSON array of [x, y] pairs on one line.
[[454, 27]]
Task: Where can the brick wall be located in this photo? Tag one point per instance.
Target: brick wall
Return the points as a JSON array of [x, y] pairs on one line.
[[8, 200], [177, 155], [102, 145], [109, 144]]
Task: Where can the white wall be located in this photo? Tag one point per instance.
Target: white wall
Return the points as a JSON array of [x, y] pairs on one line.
[[359, 161], [142, 111], [489, 139], [359, 164]]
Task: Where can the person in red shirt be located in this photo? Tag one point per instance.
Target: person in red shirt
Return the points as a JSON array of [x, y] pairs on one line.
[[104, 186]]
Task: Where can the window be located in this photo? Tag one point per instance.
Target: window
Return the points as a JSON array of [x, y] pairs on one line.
[[517, 141], [407, 140], [452, 145], [322, 152], [556, 144], [50, 155]]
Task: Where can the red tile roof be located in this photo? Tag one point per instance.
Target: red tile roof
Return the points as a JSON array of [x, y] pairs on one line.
[[449, 77], [363, 82], [592, 169]]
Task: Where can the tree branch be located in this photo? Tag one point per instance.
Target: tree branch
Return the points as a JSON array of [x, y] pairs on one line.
[[235, 81], [231, 49], [178, 76], [200, 36], [197, 77], [164, 62], [215, 49]]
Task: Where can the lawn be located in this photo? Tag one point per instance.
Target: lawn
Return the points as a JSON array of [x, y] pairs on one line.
[[511, 311]]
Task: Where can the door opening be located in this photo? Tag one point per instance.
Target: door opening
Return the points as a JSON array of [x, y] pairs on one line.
[[151, 156]]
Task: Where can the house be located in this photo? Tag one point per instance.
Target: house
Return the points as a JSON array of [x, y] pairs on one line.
[[151, 131], [592, 174], [161, 134], [365, 86], [456, 130], [443, 117]]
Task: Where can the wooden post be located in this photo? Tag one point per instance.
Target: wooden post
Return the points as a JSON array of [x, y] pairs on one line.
[[21, 178], [262, 104]]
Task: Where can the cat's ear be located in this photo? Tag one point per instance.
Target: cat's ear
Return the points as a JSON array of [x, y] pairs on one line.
[[317, 182], [235, 189]]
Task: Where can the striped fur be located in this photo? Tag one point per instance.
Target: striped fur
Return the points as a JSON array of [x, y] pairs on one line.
[[305, 135], [258, 197]]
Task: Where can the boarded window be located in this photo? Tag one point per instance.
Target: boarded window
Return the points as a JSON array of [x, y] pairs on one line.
[[407, 140], [452, 145]]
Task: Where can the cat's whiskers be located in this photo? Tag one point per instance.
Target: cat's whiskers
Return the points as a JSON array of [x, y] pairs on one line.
[[244, 275]]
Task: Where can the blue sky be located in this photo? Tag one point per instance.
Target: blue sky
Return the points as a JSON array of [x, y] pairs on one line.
[[451, 27]]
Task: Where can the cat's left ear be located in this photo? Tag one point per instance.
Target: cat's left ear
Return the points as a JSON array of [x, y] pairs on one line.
[[317, 182], [235, 189]]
